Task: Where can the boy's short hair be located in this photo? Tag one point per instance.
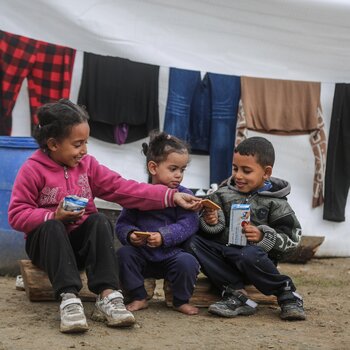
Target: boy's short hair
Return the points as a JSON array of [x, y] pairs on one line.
[[259, 147]]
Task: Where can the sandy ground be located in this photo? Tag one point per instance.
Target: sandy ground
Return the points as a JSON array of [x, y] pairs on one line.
[[324, 283]]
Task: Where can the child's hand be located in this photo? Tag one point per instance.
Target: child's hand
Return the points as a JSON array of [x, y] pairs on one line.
[[187, 201], [137, 240], [252, 233], [155, 240], [210, 216], [66, 215]]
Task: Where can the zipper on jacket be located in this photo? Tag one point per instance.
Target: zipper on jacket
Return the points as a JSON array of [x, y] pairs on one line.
[[65, 172], [248, 198]]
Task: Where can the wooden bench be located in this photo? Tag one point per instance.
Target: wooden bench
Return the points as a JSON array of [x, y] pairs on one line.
[[204, 294], [38, 286]]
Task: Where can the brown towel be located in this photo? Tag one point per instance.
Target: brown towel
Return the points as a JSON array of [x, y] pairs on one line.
[[285, 107], [280, 106]]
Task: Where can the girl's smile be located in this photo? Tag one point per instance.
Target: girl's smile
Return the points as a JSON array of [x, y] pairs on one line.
[[71, 149]]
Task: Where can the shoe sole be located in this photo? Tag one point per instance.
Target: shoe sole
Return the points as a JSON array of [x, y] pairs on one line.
[[98, 316], [77, 328], [243, 311], [293, 317]]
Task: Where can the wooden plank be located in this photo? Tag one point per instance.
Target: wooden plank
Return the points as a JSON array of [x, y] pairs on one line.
[[38, 286], [306, 250], [204, 294]]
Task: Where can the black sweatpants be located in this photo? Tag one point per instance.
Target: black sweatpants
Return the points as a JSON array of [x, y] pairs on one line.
[[237, 266], [62, 255], [337, 179]]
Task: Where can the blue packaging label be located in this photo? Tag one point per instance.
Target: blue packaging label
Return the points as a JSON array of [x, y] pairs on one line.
[[74, 203], [240, 216]]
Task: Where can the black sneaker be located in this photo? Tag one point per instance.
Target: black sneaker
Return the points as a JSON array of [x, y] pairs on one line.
[[291, 304], [232, 304]]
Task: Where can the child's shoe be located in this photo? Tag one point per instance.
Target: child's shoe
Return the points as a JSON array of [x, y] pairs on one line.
[[19, 283], [232, 304], [73, 319], [112, 310], [291, 304]]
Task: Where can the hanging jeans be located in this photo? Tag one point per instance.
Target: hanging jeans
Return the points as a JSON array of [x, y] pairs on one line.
[[337, 179], [47, 67], [203, 113]]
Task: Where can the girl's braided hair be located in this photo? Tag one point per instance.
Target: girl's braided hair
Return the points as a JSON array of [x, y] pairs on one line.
[[161, 145]]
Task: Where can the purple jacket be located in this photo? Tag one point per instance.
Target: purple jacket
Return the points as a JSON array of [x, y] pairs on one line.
[[176, 225]]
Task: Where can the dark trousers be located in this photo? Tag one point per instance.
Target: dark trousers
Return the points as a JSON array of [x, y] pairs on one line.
[[180, 270], [62, 255], [337, 178], [236, 266]]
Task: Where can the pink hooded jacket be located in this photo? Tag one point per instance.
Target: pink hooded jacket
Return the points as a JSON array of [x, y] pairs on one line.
[[41, 184]]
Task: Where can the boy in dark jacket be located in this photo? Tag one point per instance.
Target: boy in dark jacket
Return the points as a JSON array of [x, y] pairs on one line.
[[273, 233]]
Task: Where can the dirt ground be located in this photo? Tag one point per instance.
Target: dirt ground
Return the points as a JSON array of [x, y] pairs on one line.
[[324, 284]]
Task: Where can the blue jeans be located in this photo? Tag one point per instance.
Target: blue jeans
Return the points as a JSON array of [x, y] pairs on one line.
[[204, 113]]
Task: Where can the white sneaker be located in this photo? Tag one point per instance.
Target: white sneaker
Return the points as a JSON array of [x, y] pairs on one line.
[[112, 310], [19, 283], [73, 319]]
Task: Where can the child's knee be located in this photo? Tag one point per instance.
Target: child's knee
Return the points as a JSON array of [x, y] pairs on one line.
[[99, 219], [192, 243], [188, 262], [252, 255], [124, 252], [54, 229]]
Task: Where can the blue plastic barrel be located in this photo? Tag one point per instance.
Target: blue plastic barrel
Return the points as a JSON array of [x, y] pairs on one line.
[[13, 152]]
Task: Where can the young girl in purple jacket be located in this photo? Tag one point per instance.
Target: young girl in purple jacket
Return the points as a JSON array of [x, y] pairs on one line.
[[160, 254], [60, 241]]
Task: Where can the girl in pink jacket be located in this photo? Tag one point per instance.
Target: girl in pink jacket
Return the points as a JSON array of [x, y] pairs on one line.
[[61, 241]]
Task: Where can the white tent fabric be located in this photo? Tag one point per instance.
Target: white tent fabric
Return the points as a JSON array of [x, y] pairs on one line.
[[296, 40], [291, 39]]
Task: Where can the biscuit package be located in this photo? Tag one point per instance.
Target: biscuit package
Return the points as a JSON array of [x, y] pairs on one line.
[[74, 203]]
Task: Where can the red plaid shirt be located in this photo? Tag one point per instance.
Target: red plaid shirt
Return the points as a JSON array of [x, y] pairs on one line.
[[47, 67]]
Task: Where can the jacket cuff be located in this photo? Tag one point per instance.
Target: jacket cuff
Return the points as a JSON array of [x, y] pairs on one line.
[[169, 198], [213, 229], [269, 239], [49, 215], [167, 237], [124, 236]]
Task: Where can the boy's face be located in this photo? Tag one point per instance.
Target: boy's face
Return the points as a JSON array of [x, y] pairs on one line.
[[248, 174]]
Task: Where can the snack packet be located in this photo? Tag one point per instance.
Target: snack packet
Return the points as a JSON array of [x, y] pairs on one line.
[[74, 203]]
